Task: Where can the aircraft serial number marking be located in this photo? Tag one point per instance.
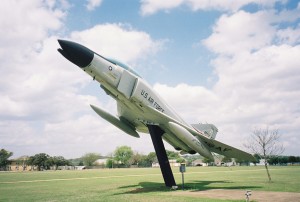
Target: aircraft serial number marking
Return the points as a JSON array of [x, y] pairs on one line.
[[151, 101]]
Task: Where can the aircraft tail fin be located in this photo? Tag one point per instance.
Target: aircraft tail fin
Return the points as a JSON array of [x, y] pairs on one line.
[[209, 130]]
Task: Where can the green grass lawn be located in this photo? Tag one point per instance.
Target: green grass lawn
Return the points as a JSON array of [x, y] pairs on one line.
[[141, 184]]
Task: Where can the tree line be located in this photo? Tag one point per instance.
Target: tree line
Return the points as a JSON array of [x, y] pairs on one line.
[[4, 156], [284, 160], [123, 157], [43, 161]]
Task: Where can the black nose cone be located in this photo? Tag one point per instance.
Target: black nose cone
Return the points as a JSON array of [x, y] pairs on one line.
[[76, 53]]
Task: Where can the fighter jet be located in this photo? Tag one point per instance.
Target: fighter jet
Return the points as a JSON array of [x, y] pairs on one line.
[[141, 109]]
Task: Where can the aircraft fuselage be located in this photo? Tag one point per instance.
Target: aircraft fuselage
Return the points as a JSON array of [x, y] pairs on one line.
[[141, 109]]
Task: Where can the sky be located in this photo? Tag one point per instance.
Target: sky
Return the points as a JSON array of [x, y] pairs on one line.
[[232, 63]]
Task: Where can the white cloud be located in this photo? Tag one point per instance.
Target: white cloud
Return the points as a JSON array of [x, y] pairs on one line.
[[257, 79], [43, 108], [118, 41], [288, 36], [42, 105], [27, 25], [149, 7], [40, 85], [90, 133], [186, 98], [240, 32], [22, 39], [92, 4], [36, 85], [243, 31], [226, 5]]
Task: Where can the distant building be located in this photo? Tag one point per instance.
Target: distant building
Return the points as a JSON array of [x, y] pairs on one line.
[[101, 161], [172, 162], [67, 168], [260, 163], [19, 164], [80, 167], [198, 162]]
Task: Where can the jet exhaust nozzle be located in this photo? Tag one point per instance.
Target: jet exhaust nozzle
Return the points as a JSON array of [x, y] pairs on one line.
[[76, 53]]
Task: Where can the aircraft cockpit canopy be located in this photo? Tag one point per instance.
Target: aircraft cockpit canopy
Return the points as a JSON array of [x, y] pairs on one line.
[[116, 62]]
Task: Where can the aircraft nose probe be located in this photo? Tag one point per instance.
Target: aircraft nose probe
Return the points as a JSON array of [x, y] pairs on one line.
[[75, 53]]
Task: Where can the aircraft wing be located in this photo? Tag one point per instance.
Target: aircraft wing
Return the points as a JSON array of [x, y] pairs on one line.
[[215, 146], [226, 150]]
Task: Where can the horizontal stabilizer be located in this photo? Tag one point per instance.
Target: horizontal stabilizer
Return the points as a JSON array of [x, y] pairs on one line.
[[228, 151], [116, 121]]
